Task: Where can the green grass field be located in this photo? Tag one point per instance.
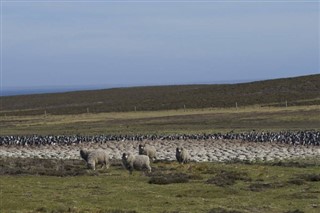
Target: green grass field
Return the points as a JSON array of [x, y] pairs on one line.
[[33, 185], [166, 122], [66, 186]]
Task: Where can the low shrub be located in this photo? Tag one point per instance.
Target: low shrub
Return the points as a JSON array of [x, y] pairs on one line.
[[261, 186], [295, 211], [296, 181], [169, 178], [222, 210], [227, 178], [311, 177]]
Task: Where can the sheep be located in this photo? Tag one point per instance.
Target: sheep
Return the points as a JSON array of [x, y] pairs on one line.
[[95, 157], [138, 162], [182, 155], [148, 150], [84, 154]]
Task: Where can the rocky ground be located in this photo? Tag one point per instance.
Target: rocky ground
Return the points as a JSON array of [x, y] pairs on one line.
[[204, 150]]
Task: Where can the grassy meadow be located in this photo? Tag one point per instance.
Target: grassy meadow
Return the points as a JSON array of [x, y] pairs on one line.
[[207, 120], [36, 185]]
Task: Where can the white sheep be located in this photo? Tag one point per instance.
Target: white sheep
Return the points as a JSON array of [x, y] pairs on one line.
[[95, 157], [148, 150], [182, 155], [137, 162]]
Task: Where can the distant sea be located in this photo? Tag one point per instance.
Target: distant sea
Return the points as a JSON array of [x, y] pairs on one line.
[[45, 90], [13, 91]]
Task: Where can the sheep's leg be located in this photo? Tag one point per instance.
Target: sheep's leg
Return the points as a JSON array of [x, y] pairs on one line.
[[148, 168], [107, 165]]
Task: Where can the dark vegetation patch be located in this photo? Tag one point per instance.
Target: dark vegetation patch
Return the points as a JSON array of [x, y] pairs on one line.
[[295, 211], [48, 167], [261, 186], [227, 178], [296, 181], [303, 90], [303, 195], [298, 164], [222, 210], [205, 169], [169, 178], [172, 212], [75, 210], [310, 177], [282, 163]]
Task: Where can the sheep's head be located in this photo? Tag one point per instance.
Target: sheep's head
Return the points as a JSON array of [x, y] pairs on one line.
[[141, 149], [125, 156], [178, 150], [141, 146], [84, 154]]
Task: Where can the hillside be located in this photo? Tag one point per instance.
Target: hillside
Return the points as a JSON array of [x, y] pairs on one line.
[[304, 90]]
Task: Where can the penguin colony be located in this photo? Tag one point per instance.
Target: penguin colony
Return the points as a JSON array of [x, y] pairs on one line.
[[307, 138]]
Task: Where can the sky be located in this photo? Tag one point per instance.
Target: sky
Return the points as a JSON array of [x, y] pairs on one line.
[[83, 43]]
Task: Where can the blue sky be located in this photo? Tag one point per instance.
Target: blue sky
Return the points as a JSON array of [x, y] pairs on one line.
[[57, 44]]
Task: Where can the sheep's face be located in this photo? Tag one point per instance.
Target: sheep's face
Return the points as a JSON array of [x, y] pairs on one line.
[[83, 154], [141, 147], [178, 150], [124, 156]]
